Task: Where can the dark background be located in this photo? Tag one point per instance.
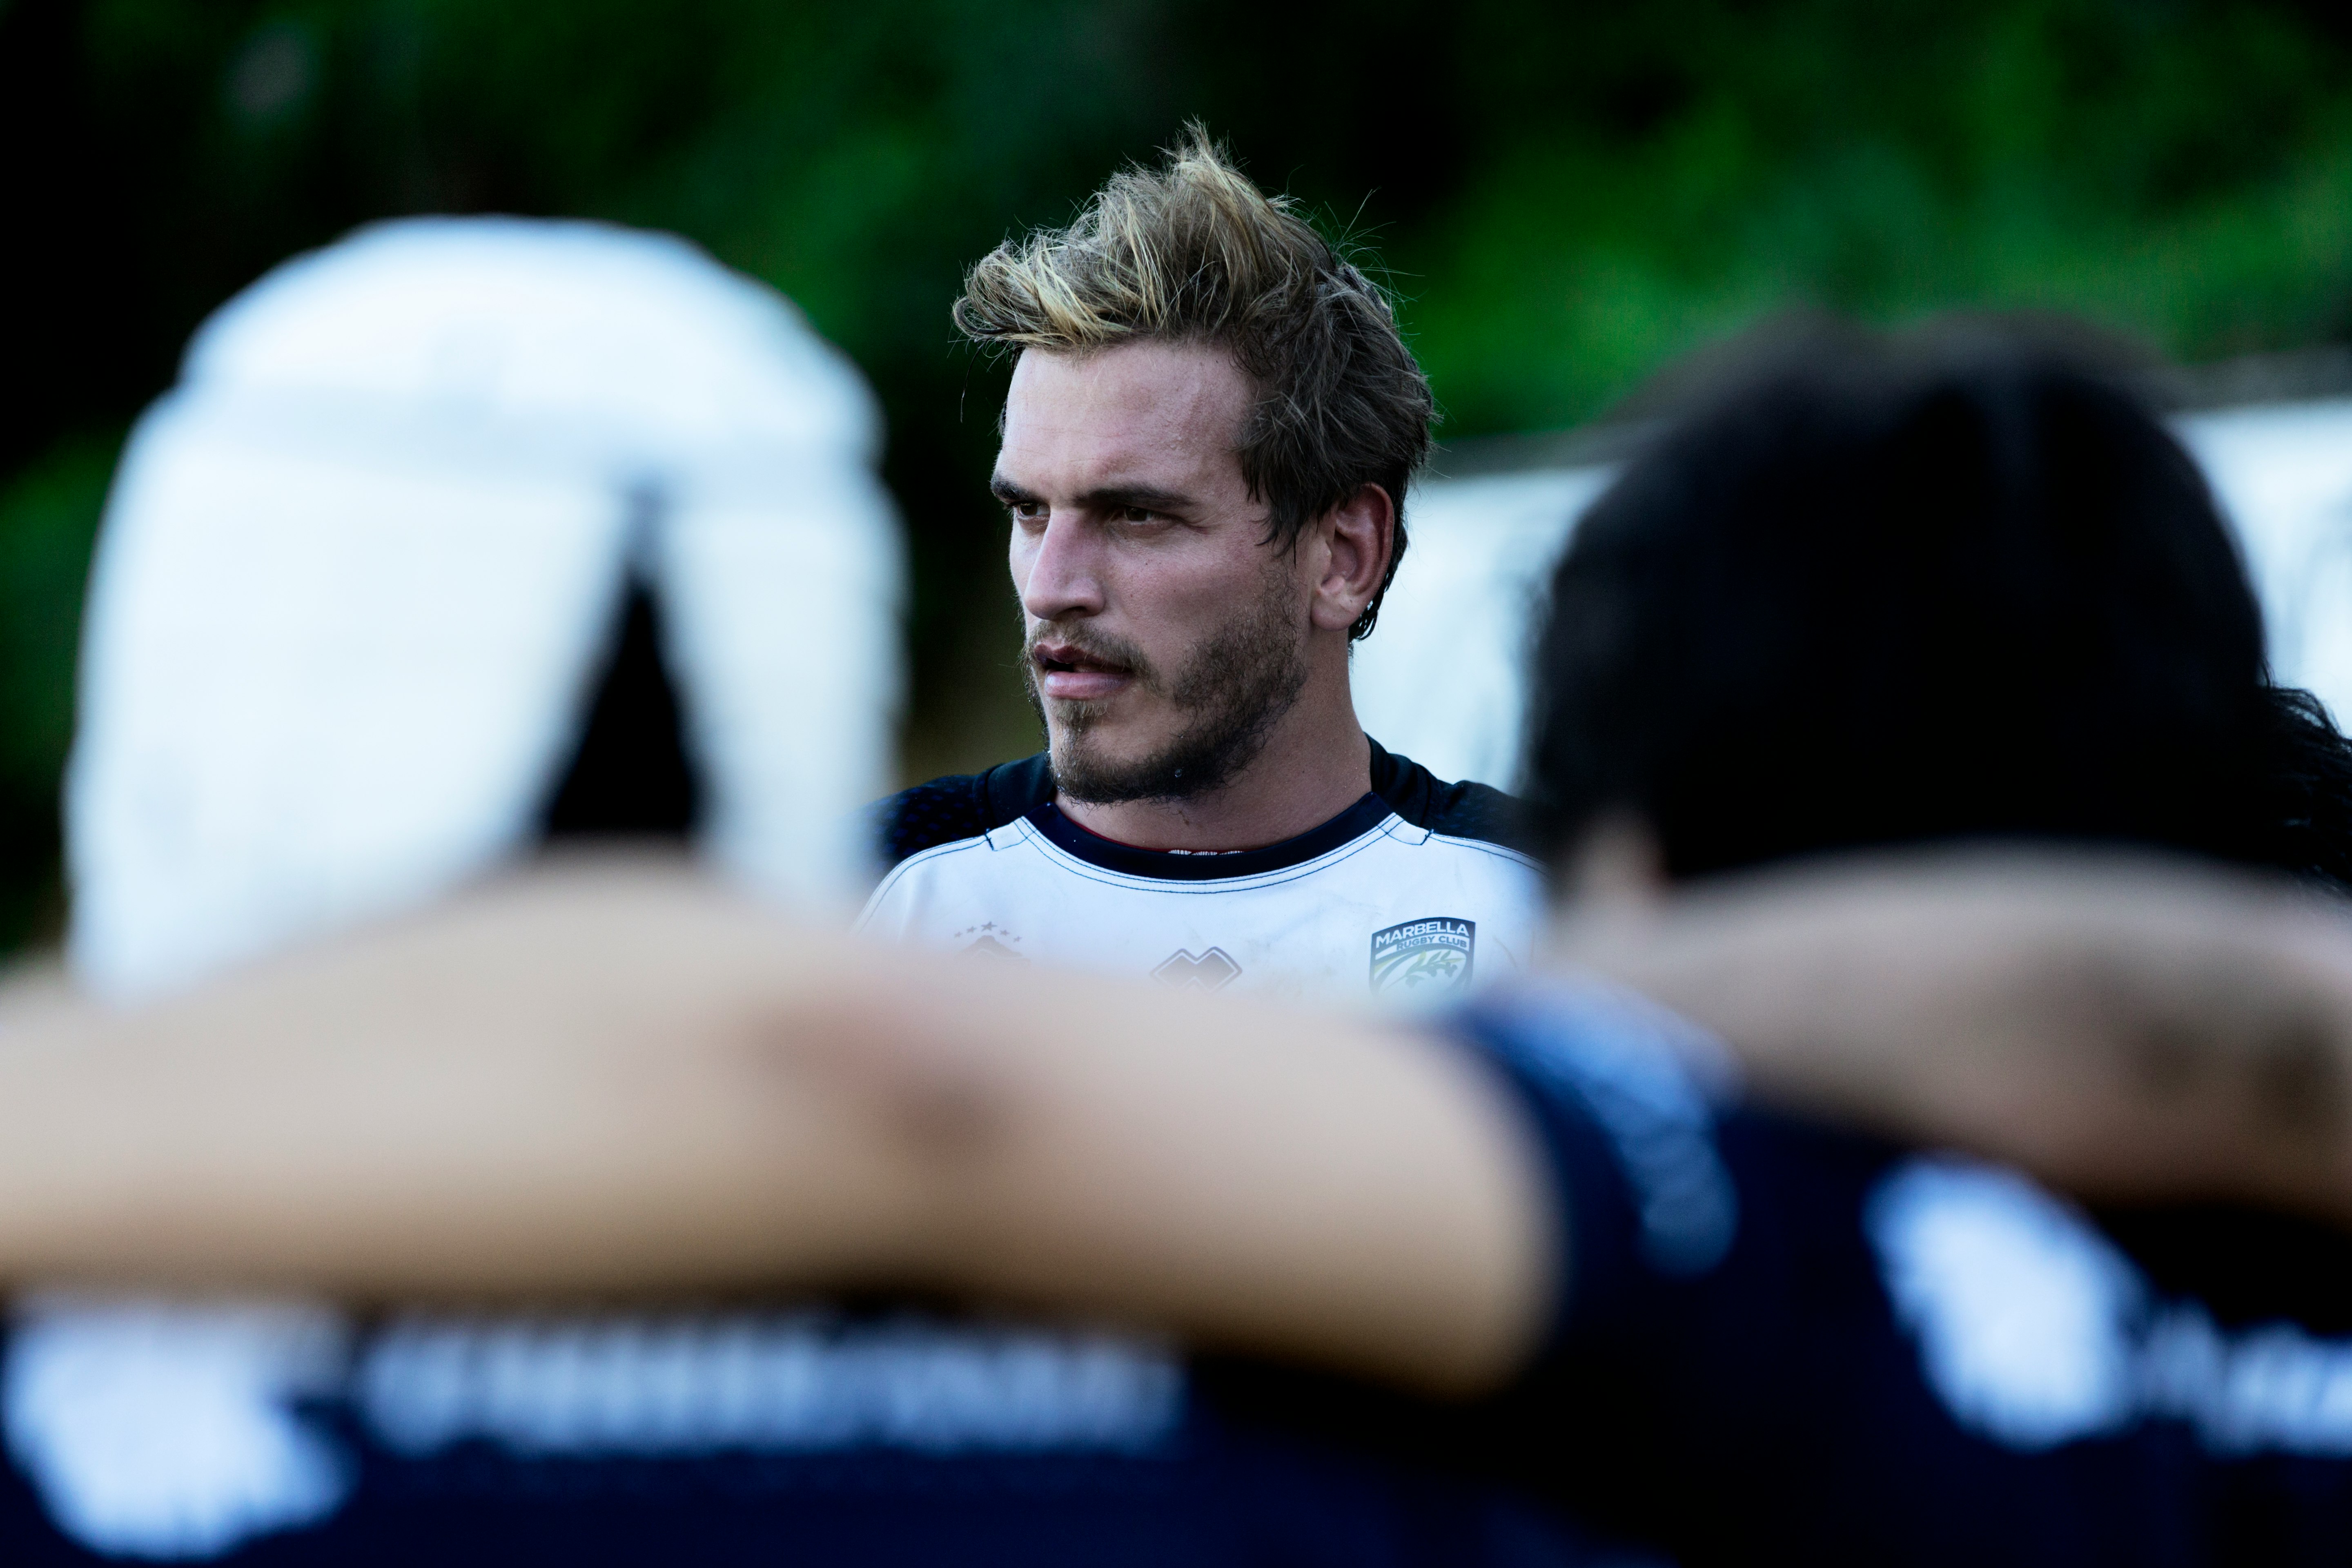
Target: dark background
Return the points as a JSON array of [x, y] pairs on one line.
[[1563, 197]]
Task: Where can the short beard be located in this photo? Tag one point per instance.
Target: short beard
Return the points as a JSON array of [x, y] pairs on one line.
[[1233, 690]]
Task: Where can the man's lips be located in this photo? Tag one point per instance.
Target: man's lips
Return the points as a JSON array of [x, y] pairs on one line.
[[1074, 676]]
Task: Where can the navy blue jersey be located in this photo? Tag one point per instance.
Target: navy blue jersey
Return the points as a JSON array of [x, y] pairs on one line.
[[1784, 1343], [279, 1435]]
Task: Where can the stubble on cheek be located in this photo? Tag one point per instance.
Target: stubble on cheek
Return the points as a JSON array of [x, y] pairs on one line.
[[1224, 700]]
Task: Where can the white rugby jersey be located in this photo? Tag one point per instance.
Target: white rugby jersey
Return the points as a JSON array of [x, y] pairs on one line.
[[1414, 894]]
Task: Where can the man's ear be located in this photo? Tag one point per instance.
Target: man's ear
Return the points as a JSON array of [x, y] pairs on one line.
[[1359, 537]]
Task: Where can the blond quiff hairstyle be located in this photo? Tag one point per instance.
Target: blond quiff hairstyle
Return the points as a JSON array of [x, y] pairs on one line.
[[1192, 252]]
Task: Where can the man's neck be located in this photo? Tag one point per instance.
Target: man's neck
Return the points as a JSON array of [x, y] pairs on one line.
[[1316, 765]]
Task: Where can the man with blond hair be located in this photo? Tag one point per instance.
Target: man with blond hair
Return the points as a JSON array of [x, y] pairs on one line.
[[1211, 422]]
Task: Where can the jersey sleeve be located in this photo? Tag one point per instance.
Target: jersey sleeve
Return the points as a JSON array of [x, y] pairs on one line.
[[1684, 1356], [958, 806], [1846, 1348], [1622, 1103], [1459, 810], [938, 811], [1622, 1096]]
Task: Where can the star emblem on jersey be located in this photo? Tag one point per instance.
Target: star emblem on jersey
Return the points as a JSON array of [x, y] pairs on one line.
[[1428, 954], [1211, 971]]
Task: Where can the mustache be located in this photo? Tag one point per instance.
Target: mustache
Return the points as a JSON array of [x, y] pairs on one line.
[[1102, 648]]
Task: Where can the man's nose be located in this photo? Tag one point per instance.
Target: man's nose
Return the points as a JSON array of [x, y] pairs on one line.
[[1057, 570]]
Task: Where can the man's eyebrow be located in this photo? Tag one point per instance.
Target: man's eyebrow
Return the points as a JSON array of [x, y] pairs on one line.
[[1146, 498], [1108, 498]]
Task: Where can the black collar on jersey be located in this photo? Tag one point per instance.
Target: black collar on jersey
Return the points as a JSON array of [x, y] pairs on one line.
[[1175, 865], [966, 806]]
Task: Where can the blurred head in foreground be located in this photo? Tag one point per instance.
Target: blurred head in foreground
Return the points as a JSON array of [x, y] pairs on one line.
[[375, 596], [1874, 590], [1206, 450]]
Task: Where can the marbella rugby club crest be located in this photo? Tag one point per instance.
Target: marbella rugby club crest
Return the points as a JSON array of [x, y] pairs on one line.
[[1428, 954]]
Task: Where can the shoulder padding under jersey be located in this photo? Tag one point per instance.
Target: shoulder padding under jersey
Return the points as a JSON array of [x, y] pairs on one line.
[[965, 806]]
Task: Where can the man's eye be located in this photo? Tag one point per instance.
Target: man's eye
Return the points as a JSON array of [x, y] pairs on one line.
[[1027, 512], [1136, 514]]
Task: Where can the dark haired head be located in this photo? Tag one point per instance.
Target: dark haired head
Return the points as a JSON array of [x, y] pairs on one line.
[[1873, 595]]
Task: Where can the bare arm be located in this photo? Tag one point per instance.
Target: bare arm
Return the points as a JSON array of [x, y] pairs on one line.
[[2127, 1027], [616, 1079]]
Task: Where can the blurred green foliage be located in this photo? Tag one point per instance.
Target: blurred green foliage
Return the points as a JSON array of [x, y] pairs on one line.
[[1564, 196], [48, 516], [2181, 172]]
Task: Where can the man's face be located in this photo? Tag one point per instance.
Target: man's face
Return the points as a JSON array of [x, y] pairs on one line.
[[1165, 637]]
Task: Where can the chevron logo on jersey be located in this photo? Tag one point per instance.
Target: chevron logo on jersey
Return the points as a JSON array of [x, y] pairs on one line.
[[1428, 954], [1212, 971]]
